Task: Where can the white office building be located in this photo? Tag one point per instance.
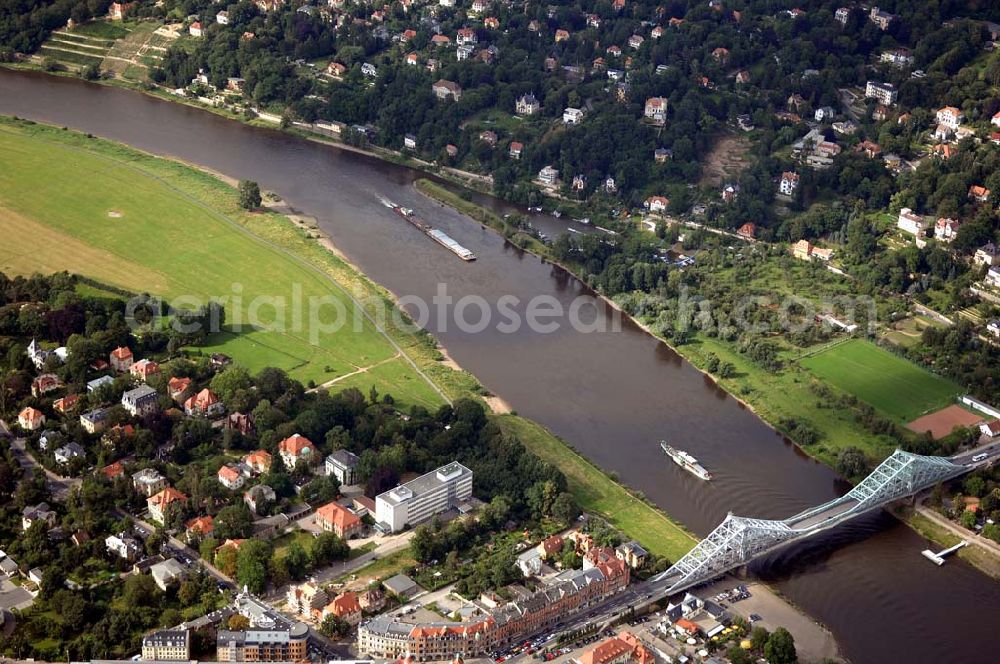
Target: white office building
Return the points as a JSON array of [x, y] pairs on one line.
[[422, 498]]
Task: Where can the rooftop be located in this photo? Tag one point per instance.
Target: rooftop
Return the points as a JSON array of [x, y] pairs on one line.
[[425, 483]]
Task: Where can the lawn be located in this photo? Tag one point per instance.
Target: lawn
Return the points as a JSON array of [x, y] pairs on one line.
[[896, 387], [151, 225], [599, 494]]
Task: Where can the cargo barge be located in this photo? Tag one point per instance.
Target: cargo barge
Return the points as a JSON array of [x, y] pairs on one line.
[[438, 236]]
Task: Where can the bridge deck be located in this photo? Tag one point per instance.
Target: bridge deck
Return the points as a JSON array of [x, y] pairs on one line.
[[820, 518]]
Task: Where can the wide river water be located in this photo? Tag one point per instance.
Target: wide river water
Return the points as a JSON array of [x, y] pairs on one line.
[[611, 395]]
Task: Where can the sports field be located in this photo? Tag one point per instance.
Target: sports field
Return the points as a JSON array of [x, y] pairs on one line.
[[898, 388], [151, 225]]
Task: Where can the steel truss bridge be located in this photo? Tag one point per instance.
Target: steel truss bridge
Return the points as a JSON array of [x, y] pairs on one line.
[[739, 540]]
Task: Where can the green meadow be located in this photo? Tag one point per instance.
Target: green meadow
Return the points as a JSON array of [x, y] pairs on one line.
[[898, 388], [145, 224]]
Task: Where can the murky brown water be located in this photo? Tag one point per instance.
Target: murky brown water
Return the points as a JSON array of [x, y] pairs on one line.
[[612, 396]]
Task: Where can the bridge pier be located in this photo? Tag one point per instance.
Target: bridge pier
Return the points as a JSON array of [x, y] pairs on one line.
[[741, 572]]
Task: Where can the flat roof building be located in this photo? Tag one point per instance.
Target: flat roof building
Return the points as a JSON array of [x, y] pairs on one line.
[[422, 498]]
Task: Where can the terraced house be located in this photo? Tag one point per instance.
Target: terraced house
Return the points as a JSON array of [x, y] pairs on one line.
[[390, 637]]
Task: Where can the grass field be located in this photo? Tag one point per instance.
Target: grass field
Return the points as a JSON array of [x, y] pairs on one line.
[[599, 494], [890, 384], [152, 225]]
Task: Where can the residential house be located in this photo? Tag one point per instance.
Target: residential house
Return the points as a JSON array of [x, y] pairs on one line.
[[885, 93], [995, 120], [945, 230], [66, 404], [369, 70], [199, 528], [572, 115], [635, 42], [149, 482], [721, 54], [730, 193], [95, 420], [296, 448], [993, 327], [990, 429], [8, 567], [68, 452], [145, 369], [167, 574], [98, 383], [515, 149], [747, 231], [31, 419], [343, 464], [307, 600], [141, 401], [882, 19], [121, 359], [943, 133], [117, 10], [195, 29], [41, 512], [222, 18], [632, 553], [242, 422], [336, 69], [910, 222], [258, 497], [550, 547], [345, 606], [412, 59], [444, 89], [897, 57], [656, 204], [949, 116], [124, 546], [988, 254], [258, 462], [489, 137], [466, 36], [530, 562], [742, 77], [230, 477], [160, 503], [979, 193], [464, 52], [205, 404], [440, 40], [789, 183], [178, 387], [337, 519], [548, 176], [410, 142], [656, 110], [527, 105], [842, 15], [45, 383], [113, 471], [993, 276], [870, 148]]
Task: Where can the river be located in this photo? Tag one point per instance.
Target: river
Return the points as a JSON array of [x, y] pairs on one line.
[[611, 395]]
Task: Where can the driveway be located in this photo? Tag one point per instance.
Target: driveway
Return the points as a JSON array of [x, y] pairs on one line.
[[13, 596]]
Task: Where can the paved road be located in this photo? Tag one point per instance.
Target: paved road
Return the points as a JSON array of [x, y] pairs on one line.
[[58, 485], [178, 545]]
